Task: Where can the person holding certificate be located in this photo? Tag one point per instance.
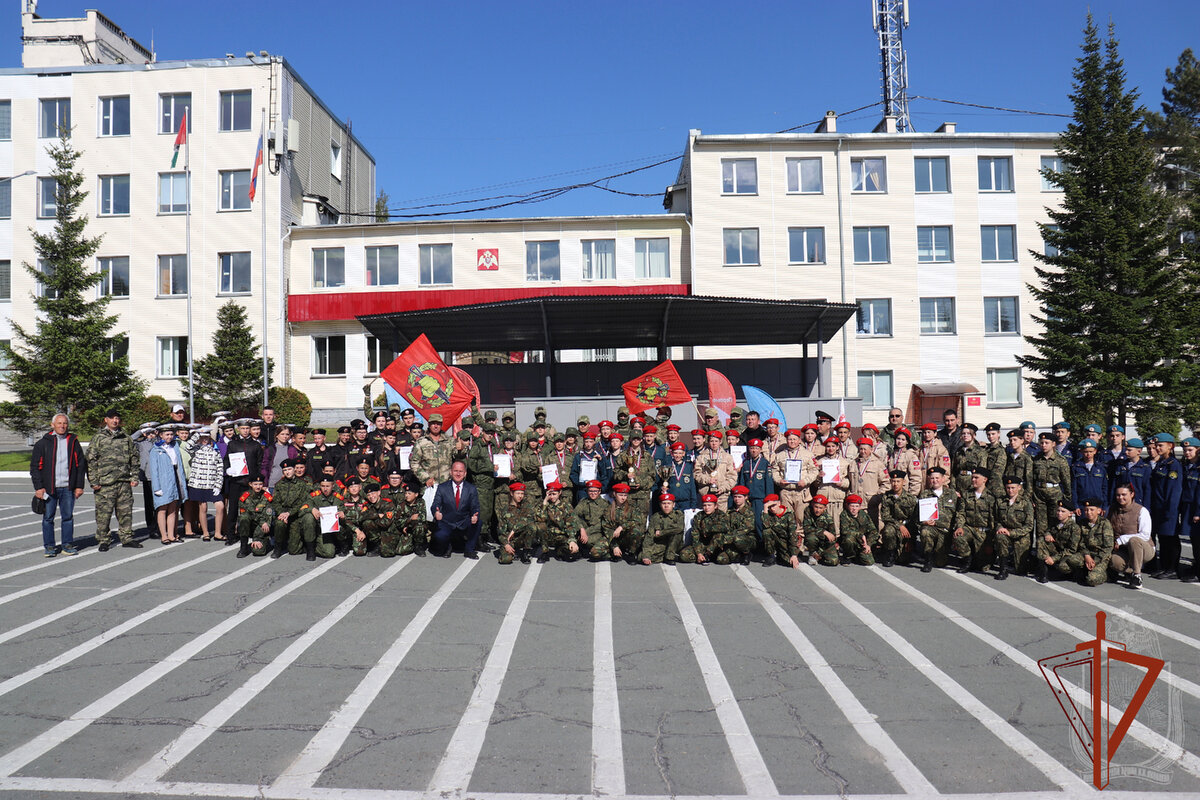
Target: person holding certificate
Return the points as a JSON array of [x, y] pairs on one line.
[[833, 479], [937, 514], [588, 465], [243, 459]]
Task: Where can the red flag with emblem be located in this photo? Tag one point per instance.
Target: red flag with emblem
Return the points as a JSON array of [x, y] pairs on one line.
[[468, 385], [661, 385], [721, 395], [425, 381]]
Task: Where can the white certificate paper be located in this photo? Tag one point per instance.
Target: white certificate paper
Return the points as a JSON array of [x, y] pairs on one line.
[[405, 455], [587, 470], [329, 519], [430, 491], [549, 474], [927, 509], [502, 462], [738, 451], [830, 472], [237, 465], [792, 470]]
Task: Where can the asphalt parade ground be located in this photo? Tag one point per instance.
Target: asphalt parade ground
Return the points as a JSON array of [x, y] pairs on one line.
[[181, 671]]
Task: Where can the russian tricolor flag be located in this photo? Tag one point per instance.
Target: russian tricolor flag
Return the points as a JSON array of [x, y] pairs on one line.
[[258, 157]]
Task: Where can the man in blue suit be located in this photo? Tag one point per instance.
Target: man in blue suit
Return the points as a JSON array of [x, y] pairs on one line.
[[456, 511]]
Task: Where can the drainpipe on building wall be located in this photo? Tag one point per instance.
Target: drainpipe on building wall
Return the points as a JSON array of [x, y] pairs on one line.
[[842, 270]]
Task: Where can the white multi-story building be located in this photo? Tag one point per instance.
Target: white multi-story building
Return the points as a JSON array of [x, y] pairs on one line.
[[123, 109]]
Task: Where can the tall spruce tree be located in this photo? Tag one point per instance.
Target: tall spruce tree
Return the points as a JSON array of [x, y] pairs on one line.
[[1108, 299], [65, 362], [230, 377]]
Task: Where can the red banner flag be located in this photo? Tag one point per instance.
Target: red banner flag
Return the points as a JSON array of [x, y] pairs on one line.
[[721, 395], [660, 386], [427, 383], [468, 385]]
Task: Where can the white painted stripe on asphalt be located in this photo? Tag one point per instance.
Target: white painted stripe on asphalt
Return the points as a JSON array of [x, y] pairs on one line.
[[746, 755], [175, 751], [46, 562], [20, 553], [8, 598], [306, 769], [32, 519], [454, 772], [1120, 612], [1190, 605], [60, 733], [1153, 739], [990, 720], [608, 752], [864, 722], [80, 650]]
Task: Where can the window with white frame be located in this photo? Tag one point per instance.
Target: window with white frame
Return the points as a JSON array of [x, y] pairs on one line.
[[55, 116], [172, 109], [437, 264], [652, 258], [599, 259], [383, 266], [741, 247], [379, 355], [1049, 250], [874, 317], [931, 174], [234, 273], [868, 175], [114, 195], [329, 356], [871, 245], [875, 388], [934, 244], [114, 276], [172, 275], [806, 245], [542, 261], [335, 160], [118, 347], [5, 280], [5, 198], [1004, 386], [172, 192], [739, 176], [999, 242], [1053, 164], [328, 267], [235, 190], [804, 175], [235, 111], [1001, 316], [46, 270], [114, 116], [47, 198], [172, 356], [995, 174], [5, 120], [937, 315]]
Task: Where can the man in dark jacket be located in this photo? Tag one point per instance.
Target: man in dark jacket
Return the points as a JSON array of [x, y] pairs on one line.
[[58, 470], [243, 460]]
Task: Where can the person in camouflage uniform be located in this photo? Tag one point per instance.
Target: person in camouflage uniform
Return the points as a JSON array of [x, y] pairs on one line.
[[1056, 546], [708, 528], [1017, 463], [562, 532], [315, 542], [289, 495], [1089, 564], [1051, 482], [627, 530], [431, 456], [897, 510], [410, 527], [596, 515], [780, 534], [664, 534], [481, 471], [737, 543], [637, 468], [820, 534], [516, 526], [935, 534], [255, 516], [976, 521], [377, 524], [112, 462], [1014, 525], [351, 513], [967, 458], [528, 468], [857, 534], [995, 459]]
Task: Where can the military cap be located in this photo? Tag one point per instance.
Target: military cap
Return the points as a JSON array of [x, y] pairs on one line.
[[897, 473], [708, 498], [809, 426], [607, 422], [145, 426], [712, 412], [532, 437], [508, 415], [866, 440], [394, 471], [572, 431], [1093, 428], [371, 486], [1026, 425], [984, 471], [112, 413], [636, 433], [822, 499], [853, 499], [937, 471], [1063, 424], [1165, 437], [464, 435], [594, 484], [257, 478], [1015, 433], [205, 432], [823, 416], [489, 415], [329, 466], [326, 479], [973, 428], [842, 424], [288, 462], [489, 427], [226, 424], [831, 440], [737, 412], [929, 426], [871, 426], [716, 433], [407, 412], [650, 429], [1013, 479], [558, 437], [357, 423], [315, 431], [1094, 502], [1088, 443], [246, 421], [344, 429], [554, 486], [353, 480], [992, 426], [620, 488], [699, 432], [732, 432], [682, 446], [1065, 506], [665, 496], [1134, 442], [674, 427], [771, 498], [516, 486], [1190, 441], [771, 421], [222, 413], [742, 490], [590, 433], [623, 410], [1045, 436], [418, 425], [1115, 429], [435, 418], [754, 443], [905, 431], [540, 411], [583, 421], [410, 486], [539, 423], [616, 437]]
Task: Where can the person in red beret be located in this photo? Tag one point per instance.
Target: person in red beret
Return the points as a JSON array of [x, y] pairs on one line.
[[516, 526], [833, 477], [820, 533], [563, 533], [781, 533], [664, 534], [858, 533]]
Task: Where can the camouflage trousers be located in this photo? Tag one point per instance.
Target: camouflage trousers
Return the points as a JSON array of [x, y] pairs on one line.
[[115, 498], [368, 541], [557, 544], [251, 532], [820, 548], [1075, 566], [853, 551], [777, 545], [292, 534], [934, 543], [526, 538], [403, 541], [1017, 546], [891, 540], [602, 546], [729, 550], [971, 545], [665, 547]]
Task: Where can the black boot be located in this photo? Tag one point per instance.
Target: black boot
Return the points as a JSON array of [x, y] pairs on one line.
[[244, 550], [1041, 572], [1002, 570], [524, 555], [278, 552], [310, 551], [768, 559], [928, 565], [889, 559], [419, 550], [964, 565], [745, 559]]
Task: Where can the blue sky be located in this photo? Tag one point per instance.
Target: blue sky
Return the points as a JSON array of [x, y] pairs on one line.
[[466, 100]]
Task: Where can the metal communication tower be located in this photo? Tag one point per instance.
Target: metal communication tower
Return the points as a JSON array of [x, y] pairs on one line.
[[890, 18]]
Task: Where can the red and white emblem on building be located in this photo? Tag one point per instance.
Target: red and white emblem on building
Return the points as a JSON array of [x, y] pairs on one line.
[[489, 259]]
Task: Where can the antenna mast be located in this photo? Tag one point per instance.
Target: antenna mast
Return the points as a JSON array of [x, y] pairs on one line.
[[890, 18]]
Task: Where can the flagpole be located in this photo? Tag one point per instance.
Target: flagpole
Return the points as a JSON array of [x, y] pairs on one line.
[[187, 264], [262, 132]]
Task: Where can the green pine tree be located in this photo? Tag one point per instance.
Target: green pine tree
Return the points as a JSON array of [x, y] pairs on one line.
[[1108, 299], [65, 362], [381, 206], [230, 378]]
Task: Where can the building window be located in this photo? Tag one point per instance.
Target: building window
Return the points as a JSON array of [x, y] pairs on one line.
[[600, 354], [172, 356], [1053, 164], [329, 267], [647, 354], [172, 275], [1001, 316], [652, 258], [114, 116], [937, 315], [46, 269], [999, 242], [874, 318], [1004, 386], [871, 246], [5, 198], [114, 195], [995, 174], [1049, 250], [114, 280], [804, 175], [932, 174], [383, 266], [47, 198], [235, 190], [234, 273], [172, 192], [5, 280], [868, 175], [739, 176], [379, 355], [235, 111], [174, 108], [55, 117], [934, 244], [599, 259], [5, 120], [329, 356], [875, 388], [741, 247], [118, 348], [541, 261], [437, 264], [806, 245], [335, 160]]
